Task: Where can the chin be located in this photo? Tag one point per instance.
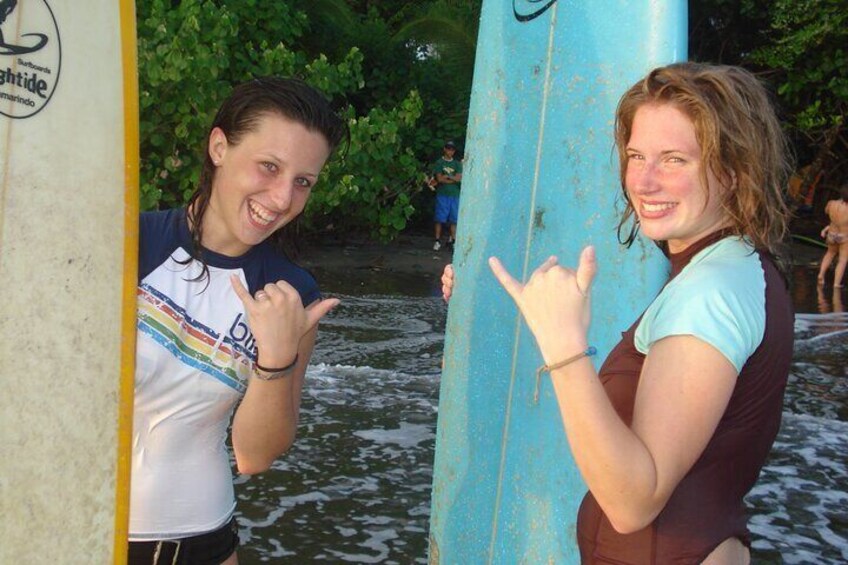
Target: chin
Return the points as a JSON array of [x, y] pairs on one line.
[[653, 234], [657, 230]]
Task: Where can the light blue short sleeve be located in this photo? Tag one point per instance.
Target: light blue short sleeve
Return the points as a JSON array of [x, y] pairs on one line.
[[719, 298]]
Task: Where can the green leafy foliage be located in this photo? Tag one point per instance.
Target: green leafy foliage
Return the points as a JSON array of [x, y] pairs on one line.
[[799, 47], [808, 52], [188, 58], [428, 46], [191, 53], [444, 33], [376, 182], [806, 55], [726, 31]]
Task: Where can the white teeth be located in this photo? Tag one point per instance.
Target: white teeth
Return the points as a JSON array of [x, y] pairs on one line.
[[656, 207], [261, 215]]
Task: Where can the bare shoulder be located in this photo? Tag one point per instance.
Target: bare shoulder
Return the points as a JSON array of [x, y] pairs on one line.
[[837, 212]]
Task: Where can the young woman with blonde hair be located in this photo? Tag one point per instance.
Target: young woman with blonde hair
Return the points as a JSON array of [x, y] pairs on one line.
[[673, 431]]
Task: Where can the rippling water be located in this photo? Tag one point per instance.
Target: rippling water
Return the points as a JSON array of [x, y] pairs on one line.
[[355, 488], [356, 485]]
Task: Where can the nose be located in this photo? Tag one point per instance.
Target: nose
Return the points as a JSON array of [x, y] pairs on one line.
[[642, 177], [281, 194]]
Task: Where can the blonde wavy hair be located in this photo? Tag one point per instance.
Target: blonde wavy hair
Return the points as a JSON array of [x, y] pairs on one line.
[[740, 138]]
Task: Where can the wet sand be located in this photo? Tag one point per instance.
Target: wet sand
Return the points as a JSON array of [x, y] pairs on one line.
[[406, 266], [411, 255]]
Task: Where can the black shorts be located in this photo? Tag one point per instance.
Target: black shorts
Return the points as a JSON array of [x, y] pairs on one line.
[[206, 549]]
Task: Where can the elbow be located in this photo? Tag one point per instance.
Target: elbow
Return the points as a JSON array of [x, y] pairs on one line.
[[253, 464], [634, 504], [628, 521], [627, 526], [252, 467]]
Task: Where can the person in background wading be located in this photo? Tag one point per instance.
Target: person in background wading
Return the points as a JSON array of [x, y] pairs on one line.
[[673, 432], [226, 323], [835, 235], [448, 174]]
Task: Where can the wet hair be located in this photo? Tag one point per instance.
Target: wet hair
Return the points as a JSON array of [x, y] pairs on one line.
[[240, 115], [740, 138]]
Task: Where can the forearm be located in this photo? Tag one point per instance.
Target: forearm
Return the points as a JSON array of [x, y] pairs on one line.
[[614, 462], [684, 386], [265, 424]]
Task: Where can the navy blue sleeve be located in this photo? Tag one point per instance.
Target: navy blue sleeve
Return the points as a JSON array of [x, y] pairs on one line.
[[158, 236]]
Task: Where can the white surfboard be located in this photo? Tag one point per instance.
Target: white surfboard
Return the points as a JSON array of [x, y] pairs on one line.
[[68, 247]]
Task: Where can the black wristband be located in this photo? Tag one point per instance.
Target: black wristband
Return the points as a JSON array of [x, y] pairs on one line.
[[288, 367]]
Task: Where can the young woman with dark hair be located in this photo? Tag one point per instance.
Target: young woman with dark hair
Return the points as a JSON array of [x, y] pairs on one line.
[[226, 322]]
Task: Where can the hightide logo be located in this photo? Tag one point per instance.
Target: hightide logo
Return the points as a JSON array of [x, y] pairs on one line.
[[30, 57]]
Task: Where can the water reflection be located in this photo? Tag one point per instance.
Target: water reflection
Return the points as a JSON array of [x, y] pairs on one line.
[[832, 305], [356, 486]]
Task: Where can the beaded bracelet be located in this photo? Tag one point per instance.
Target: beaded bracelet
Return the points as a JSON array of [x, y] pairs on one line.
[[272, 374], [548, 368]]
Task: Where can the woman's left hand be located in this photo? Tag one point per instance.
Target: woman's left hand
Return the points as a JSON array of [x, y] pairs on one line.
[[278, 320], [555, 303]]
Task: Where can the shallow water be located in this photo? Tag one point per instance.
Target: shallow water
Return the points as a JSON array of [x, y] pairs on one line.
[[355, 488]]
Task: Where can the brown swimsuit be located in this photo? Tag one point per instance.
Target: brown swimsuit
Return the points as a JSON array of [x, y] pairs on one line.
[[707, 506]]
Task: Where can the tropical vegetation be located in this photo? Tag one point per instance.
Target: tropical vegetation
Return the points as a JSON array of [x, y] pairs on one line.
[[401, 71]]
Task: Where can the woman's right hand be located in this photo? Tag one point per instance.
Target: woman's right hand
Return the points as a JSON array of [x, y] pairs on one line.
[[277, 319], [447, 282], [554, 302]]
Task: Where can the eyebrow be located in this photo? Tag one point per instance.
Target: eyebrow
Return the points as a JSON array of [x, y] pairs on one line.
[[663, 152]]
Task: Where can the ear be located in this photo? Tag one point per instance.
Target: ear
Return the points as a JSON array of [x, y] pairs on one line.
[[217, 145]]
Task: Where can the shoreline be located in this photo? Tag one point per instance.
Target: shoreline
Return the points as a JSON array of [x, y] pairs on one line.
[[405, 266], [412, 255], [408, 266]]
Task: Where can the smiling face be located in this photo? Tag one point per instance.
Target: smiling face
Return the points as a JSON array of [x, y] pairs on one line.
[[664, 179], [260, 184]]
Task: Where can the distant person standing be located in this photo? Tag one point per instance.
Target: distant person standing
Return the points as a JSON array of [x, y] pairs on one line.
[[448, 174], [836, 237]]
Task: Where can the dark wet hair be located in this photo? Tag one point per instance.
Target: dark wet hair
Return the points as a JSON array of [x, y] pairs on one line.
[[740, 137], [240, 114]]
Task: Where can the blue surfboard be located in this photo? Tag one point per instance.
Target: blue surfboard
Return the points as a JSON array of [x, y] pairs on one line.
[[541, 178]]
